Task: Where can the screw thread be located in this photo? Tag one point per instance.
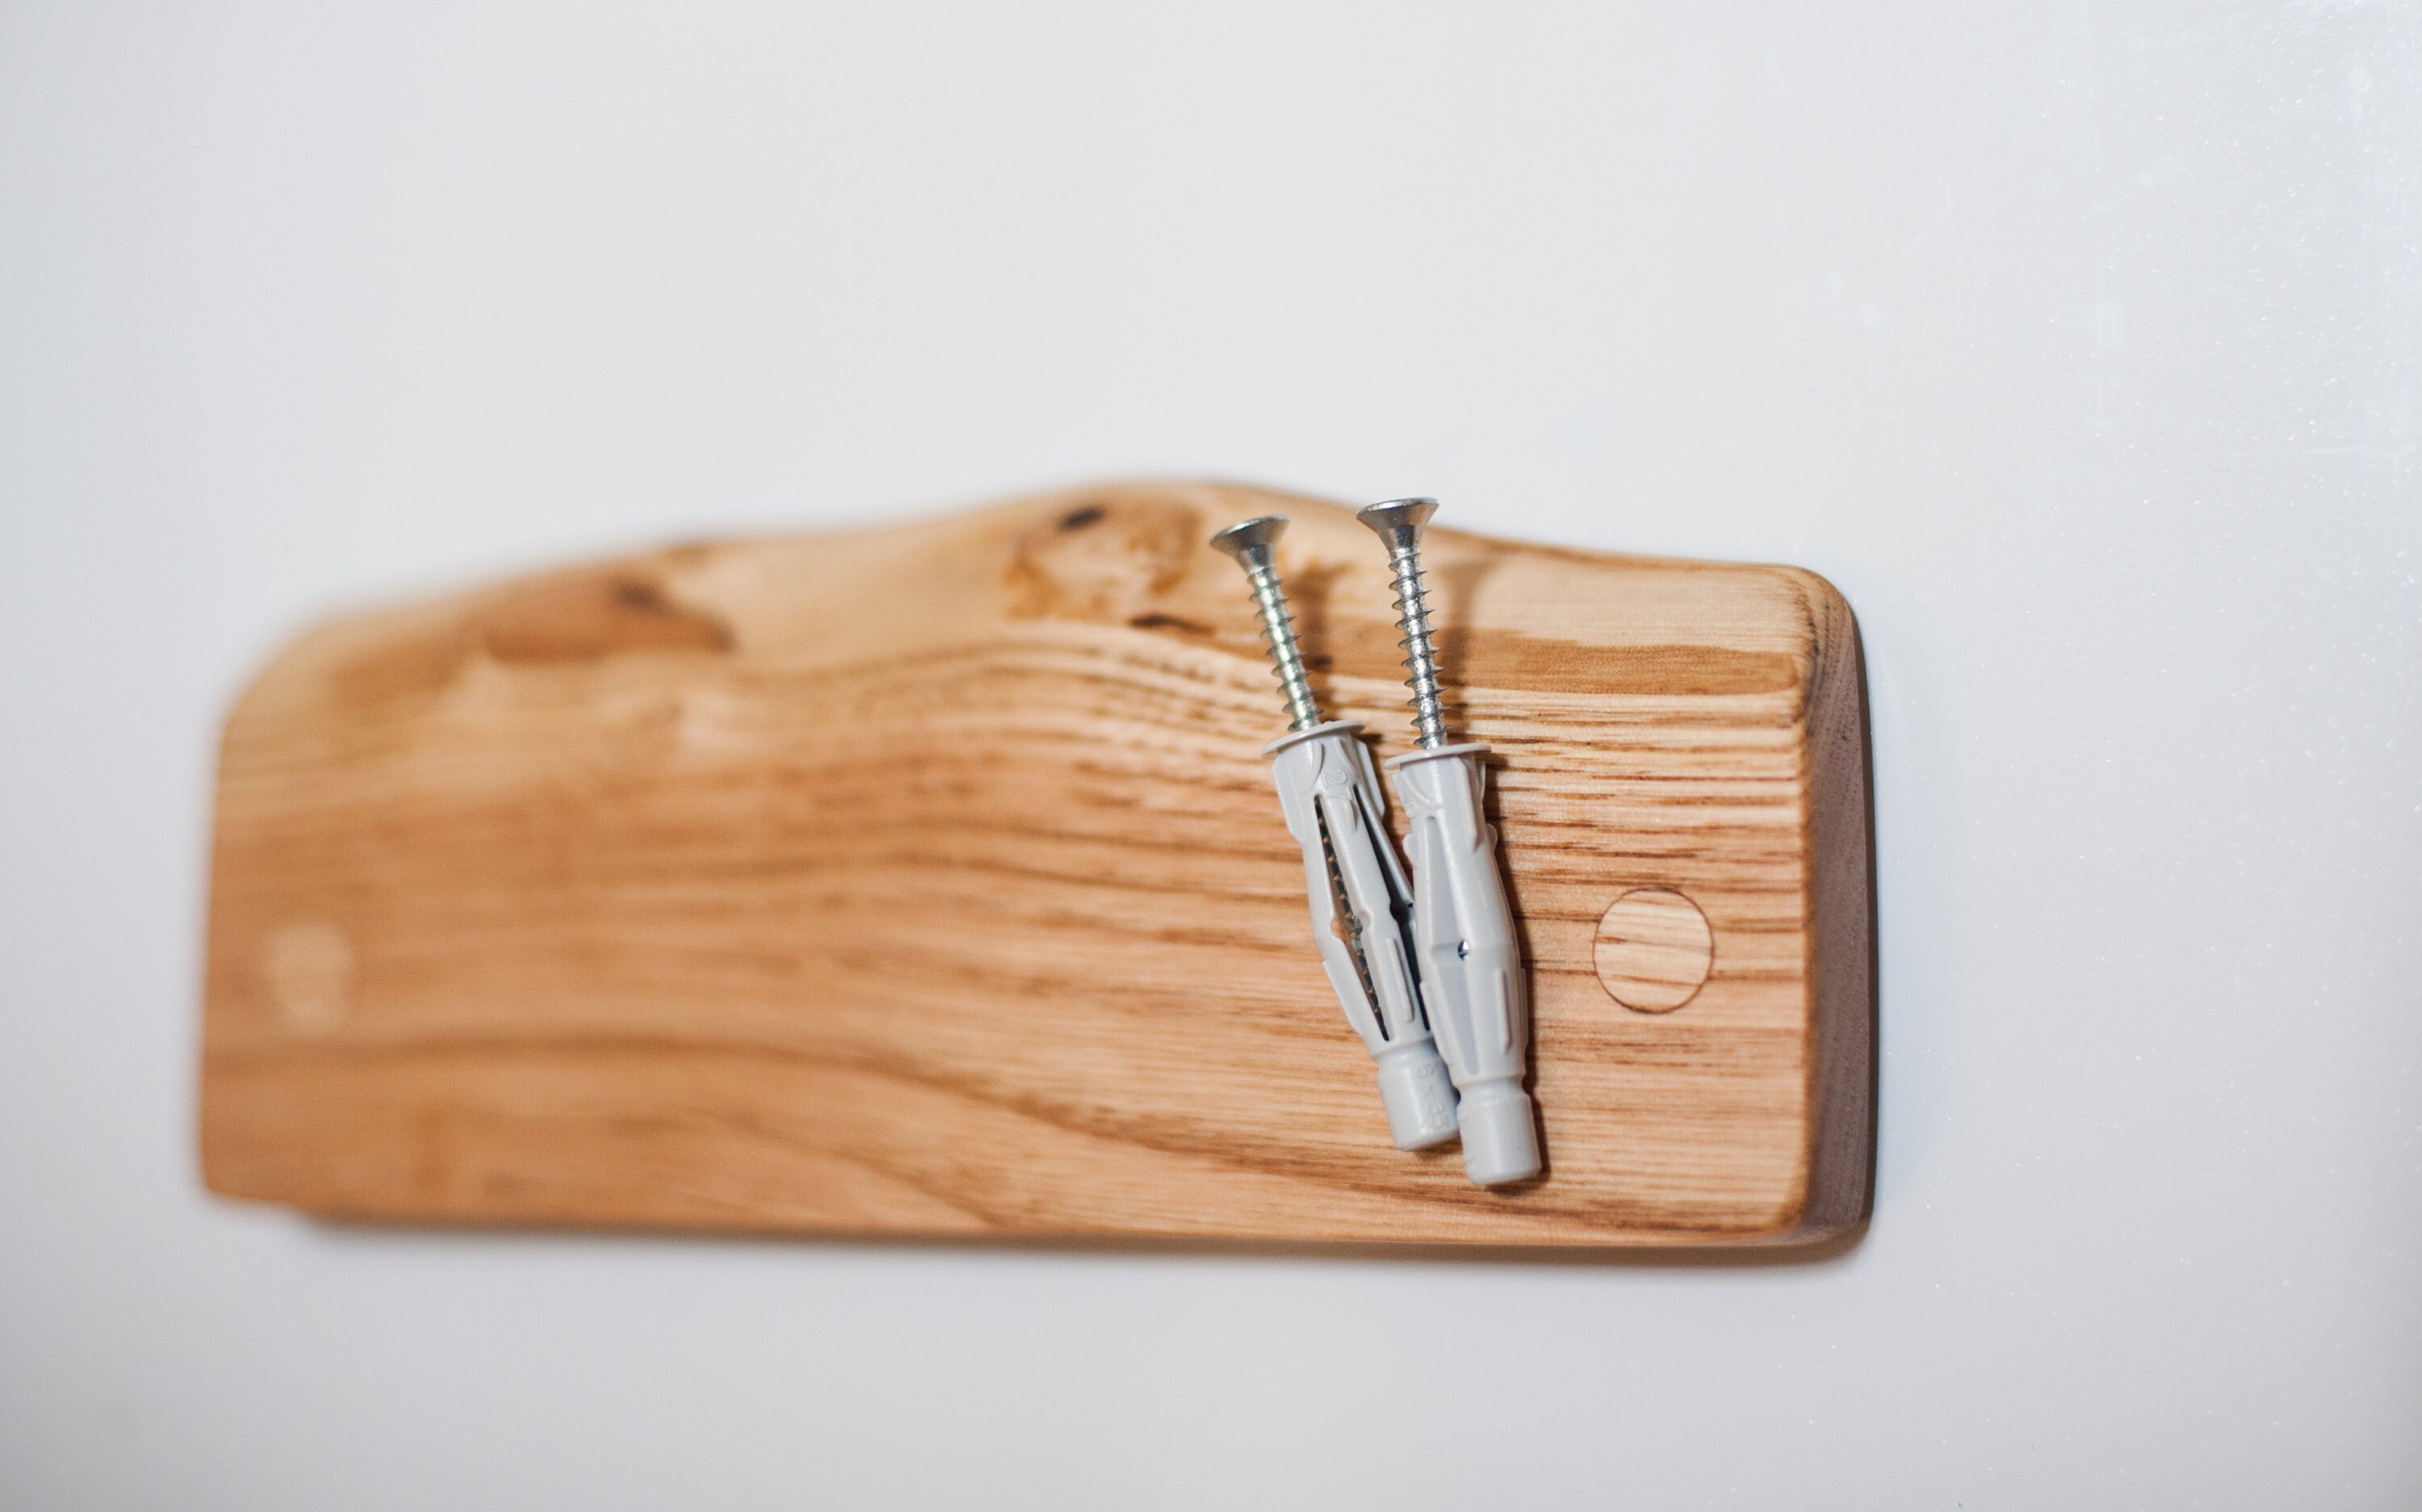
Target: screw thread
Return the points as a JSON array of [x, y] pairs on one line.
[[1413, 617], [1286, 658]]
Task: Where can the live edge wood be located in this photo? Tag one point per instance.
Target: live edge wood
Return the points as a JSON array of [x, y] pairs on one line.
[[928, 881]]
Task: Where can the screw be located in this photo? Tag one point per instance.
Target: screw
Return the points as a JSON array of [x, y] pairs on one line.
[[1252, 543], [1398, 522]]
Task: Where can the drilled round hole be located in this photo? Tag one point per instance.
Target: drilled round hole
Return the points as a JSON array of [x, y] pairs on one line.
[[1654, 950]]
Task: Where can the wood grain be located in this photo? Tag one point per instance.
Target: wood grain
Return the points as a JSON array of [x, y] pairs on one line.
[[928, 881]]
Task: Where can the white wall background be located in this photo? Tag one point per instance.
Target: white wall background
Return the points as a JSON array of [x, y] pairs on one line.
[[2080, 344]]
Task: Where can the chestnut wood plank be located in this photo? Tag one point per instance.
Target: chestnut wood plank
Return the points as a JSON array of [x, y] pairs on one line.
[[928, 881]]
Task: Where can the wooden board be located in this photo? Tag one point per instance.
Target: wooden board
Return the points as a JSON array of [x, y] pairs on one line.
[[929, 881]]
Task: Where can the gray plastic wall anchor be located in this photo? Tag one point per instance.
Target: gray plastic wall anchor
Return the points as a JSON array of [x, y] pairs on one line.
[[1330, 794], [1470, 967]]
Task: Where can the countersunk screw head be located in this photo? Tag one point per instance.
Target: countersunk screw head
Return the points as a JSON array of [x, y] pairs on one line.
[[1250, 541], [1398, 521]]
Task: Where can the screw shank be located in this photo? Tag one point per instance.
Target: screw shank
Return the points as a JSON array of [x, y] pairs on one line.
[[1253, 544], [1286, 657], [1398, 523], [1421, 659]]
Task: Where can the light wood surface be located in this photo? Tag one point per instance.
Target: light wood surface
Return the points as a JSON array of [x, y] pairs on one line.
[[928, 881], [1654, 950]]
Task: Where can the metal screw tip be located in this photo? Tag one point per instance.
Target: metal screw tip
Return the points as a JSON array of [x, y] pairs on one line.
[[1250, 539], [1398, 521]]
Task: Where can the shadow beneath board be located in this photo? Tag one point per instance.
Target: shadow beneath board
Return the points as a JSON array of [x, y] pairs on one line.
[[1629, 1257]]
